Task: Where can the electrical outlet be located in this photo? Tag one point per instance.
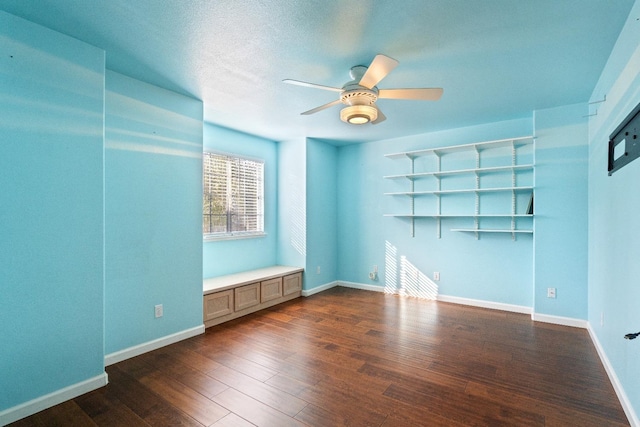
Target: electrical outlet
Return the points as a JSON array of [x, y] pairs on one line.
[[159, 310], [318, 270], [436, 275], [551, 292], [374, 274]]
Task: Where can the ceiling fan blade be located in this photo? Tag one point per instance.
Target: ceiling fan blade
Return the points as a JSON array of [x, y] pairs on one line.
[[317, 86], [378, 70], [381, 117], [322, 107], [424, 94]]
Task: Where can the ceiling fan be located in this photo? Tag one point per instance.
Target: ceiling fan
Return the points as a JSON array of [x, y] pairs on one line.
[[360, 94]]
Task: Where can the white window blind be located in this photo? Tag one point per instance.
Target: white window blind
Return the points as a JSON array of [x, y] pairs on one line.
[[233, 196]]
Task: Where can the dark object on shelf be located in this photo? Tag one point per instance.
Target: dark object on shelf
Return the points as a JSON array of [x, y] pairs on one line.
[[530, 207], [624, 144], [631, 336]]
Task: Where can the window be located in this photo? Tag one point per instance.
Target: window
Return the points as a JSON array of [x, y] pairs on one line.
[[232, 197]]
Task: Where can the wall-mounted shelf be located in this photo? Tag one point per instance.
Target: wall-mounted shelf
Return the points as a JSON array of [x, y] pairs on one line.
[[459, 216], [510, 142], [465, 190], [478, 171], [505, 167], [492, 230]]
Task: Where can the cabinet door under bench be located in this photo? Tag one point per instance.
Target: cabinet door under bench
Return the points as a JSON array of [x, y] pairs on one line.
[[292, 284], [247, 296], [271, 289], [218, 304]]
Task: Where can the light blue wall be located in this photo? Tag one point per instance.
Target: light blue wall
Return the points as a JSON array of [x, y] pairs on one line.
[[51, 203], [232, 256], [153, 228], [321, 218], [614, 204], [493, 268], [292, 195], [561, 220]]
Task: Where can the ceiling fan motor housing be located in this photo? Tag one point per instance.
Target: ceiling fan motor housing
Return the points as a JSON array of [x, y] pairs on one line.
[[360, 103], [359, 99], [354, 94]]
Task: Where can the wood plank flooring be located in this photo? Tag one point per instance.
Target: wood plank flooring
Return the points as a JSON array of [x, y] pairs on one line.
[[348, 357]]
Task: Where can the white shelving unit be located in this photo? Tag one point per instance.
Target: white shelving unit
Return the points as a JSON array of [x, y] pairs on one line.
[[481, 150]]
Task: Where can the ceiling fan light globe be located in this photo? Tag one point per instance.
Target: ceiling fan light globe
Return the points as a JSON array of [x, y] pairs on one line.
[[358, 119], [358, 114]]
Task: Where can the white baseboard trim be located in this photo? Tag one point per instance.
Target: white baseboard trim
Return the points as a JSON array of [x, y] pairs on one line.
[[617, 386], [558, 320], [41, 403], [485, 304], [362, 286], [139, 349], [448, 298], [318, 289]]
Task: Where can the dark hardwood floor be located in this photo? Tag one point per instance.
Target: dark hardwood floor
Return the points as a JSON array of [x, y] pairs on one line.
[[358, 358]]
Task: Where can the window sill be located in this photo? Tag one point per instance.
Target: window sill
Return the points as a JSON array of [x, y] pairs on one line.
[[232, 236]]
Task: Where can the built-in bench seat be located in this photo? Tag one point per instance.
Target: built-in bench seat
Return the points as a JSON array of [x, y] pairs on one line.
[[235, 295]]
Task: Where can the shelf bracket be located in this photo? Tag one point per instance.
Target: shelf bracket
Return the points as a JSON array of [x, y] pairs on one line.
[[476, 220], [513, 192], [438, 199], [413, 208]]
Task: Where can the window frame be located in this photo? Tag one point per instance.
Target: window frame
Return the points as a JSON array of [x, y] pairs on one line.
[[239, 234]]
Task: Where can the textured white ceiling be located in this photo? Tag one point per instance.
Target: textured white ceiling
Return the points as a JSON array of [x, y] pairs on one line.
[[495, 59]]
